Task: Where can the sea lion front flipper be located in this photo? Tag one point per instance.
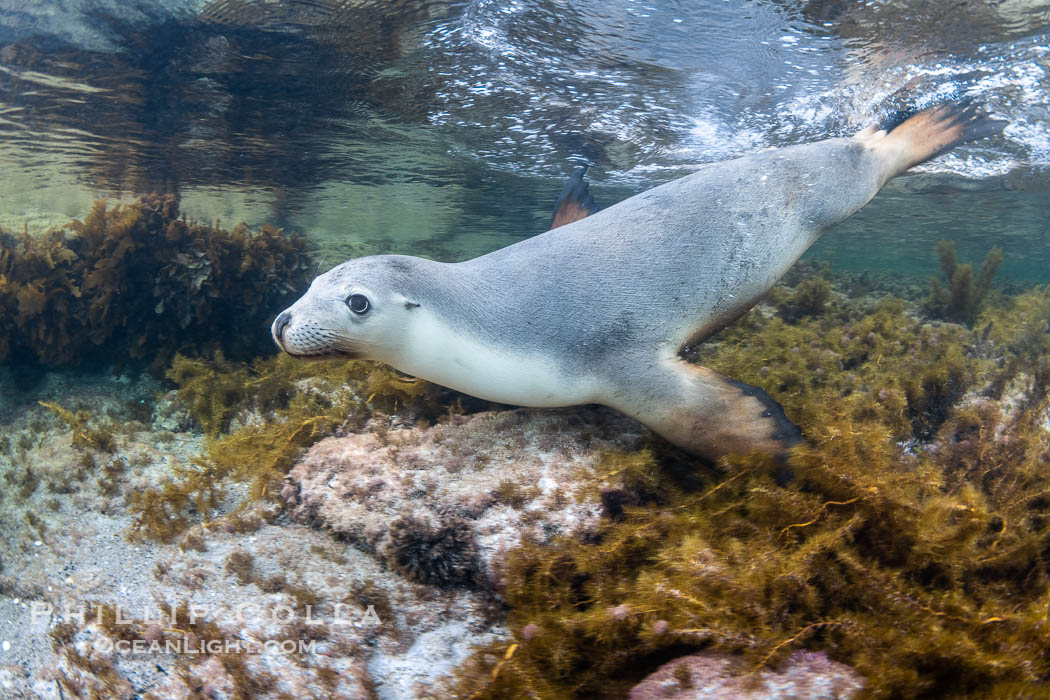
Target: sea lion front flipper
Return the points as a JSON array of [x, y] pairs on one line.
[[707, 413], [575, 201]]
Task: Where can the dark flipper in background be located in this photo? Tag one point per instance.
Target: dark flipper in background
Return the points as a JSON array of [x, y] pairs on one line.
[[575, 201]]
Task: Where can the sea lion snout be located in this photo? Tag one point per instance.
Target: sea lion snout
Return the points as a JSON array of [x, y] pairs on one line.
[[279, 329], [301, 336]]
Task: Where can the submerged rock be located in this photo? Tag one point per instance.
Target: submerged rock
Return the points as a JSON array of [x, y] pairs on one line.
[[718, 676], [88, 606], [442, 504]]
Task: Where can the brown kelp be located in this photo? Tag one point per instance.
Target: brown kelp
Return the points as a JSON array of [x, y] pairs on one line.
[[137, 281]]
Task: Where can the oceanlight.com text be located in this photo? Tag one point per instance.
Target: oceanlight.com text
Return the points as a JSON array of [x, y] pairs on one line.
[[210, 646]]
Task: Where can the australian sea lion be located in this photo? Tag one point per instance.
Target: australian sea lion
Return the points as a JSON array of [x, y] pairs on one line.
[[598, 310]]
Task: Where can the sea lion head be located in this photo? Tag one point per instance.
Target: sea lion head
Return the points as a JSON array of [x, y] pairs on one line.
[[356, 310]]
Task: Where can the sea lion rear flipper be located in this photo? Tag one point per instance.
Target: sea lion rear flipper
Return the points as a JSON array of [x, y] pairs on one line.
[[575, 201], [904, 140], [709, 414]]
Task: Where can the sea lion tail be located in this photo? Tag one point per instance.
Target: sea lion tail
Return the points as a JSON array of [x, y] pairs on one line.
[[905, 140]]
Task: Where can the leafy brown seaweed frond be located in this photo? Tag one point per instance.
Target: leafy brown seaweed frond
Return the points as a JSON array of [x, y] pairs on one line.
[[138, 281]]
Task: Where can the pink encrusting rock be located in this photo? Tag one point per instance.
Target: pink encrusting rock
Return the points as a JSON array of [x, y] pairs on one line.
[[720, 676], [442, 504]]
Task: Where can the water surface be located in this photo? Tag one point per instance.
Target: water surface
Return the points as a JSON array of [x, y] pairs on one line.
[[445, 129]]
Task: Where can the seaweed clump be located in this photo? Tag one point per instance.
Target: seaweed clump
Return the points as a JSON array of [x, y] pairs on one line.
[[809, 298], [441, 555], [136, 281], [85, 436], [909, 543], [962, 300]]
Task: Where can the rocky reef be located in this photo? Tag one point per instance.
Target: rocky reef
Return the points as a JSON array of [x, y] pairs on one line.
[[904, 541], [444, 505], [716, 676], [512, 553]]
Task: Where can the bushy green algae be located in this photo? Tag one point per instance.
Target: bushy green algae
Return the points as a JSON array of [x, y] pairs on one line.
[[910, 540], [809, 298]]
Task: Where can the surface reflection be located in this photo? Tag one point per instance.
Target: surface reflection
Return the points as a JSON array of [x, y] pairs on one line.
[[445, 128]]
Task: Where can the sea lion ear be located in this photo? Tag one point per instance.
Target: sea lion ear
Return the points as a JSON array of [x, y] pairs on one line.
[[575, 201]]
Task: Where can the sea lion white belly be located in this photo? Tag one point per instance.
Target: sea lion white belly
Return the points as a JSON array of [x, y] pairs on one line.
[[598, 310], [449, 357]]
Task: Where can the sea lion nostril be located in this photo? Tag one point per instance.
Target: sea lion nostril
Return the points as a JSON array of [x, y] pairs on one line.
[[281, 323]]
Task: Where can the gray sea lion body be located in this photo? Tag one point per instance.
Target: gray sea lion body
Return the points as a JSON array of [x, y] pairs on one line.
[[674, 262], [597, 311]]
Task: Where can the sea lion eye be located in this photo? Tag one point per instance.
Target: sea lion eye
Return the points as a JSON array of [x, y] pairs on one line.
[[358, 303]]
